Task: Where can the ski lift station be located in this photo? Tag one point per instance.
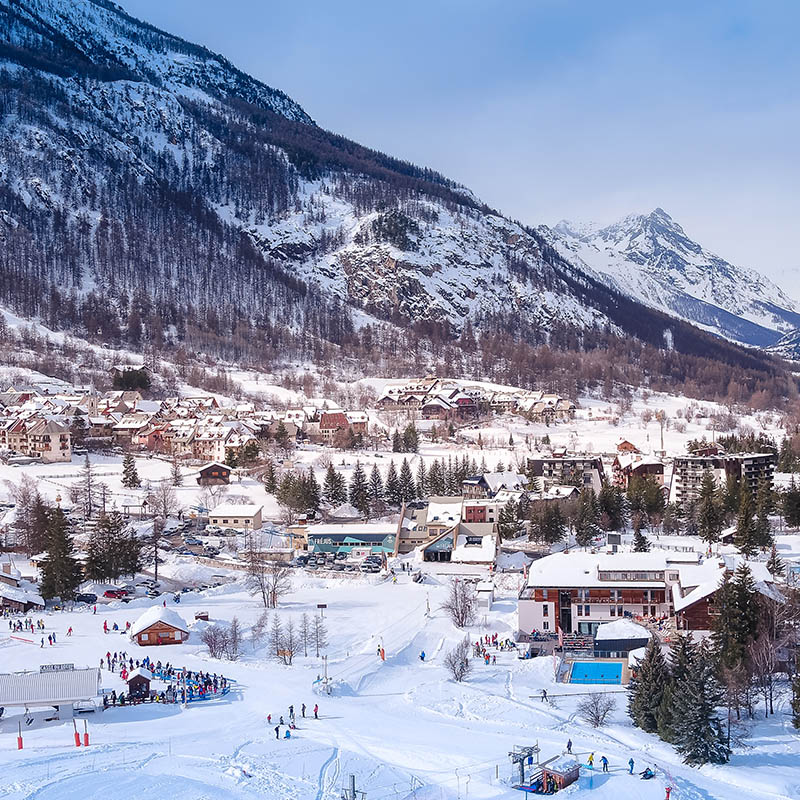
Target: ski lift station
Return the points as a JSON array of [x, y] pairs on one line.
[[57, 685]]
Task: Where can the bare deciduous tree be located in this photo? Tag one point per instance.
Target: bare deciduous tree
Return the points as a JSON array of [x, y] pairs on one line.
[[305, 632], [233, 640], [596, 708], [214, 638], [319, 633], [461, 603], [259, 630], [457, 660]]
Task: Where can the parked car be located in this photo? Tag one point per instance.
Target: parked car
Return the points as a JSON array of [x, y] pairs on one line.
[[341, 556], [128, 588], [86, 597], [114, 594], [210, 551], [153, 593], [191, 540]]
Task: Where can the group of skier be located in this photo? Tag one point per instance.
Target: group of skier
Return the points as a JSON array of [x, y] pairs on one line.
[[292, 720]]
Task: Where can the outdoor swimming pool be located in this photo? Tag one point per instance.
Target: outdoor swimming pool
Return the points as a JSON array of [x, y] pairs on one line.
[[596, 672]]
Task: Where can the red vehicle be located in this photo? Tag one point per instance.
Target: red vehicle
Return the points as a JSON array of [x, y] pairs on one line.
[[114, 594]]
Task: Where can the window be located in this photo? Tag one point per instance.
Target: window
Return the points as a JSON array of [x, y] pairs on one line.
[[544, 593], [619, 611], [586, 611], [652, 611], [644, 610], [613, 611], [545, 626], [145, 637], [580, 611], [545, 610]]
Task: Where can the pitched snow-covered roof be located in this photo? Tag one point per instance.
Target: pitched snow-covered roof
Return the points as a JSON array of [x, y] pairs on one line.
[[582, 569], [20, 595], [156, 614], [141, 672]]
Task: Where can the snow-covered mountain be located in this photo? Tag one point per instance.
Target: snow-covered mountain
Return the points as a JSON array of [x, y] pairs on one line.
[[150, 191], [649, 257]]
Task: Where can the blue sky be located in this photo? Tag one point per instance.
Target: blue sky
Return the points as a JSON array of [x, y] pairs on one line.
[[550, 109]]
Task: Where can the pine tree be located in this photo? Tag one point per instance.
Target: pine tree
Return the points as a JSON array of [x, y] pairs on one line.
[[408, 490], [230, 458], [698, 734], [312, 491], [736, 621], [376, 490], [682, 654], [333, 487], [548, 524], [359, 491], [646, 690], [410, 439], [88, 489], [641, 543], [435, 479], [392, 486], [745, 538], [586, 520], [611, 506], [775, 564], [270, 478], [397, 442], [422, 481], [61, 572], [709, 515], [130, 476], [791, 505], [796, 700], [508, 521], [175, 472], [765, 505]]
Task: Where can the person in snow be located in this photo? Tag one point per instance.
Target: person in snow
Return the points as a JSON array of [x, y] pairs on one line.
[[277, 731], [422, 656], [269, 719], [105, 626], [604, 762], [303, 710], [288, 734], [291, 711], [590, 761], [630, 764], [316, 711], [544, 695], [569, 745], [280, 720]]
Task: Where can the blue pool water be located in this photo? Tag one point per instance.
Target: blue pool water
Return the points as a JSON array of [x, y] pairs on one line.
[[595, 672]]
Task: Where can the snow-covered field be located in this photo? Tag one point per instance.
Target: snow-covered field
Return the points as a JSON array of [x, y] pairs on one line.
[[404, 728]]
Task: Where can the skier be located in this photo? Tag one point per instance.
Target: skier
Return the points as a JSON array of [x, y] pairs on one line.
[[630, 764], [422, 656], [669, 789], [316, 710], [569, 746], [604, 762], [105, 626], [69, 631], [544, 695], [269, 719], [590, 760], [277, 732]]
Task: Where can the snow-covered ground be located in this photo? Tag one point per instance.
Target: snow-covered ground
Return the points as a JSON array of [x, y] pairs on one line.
[[404, 728]]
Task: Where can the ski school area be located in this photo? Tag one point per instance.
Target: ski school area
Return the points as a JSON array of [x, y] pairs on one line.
[[109, 715]]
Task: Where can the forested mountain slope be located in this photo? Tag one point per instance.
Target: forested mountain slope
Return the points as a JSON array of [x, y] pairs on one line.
[[152, 193]]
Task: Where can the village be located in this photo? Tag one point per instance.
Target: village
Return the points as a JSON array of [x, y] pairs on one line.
[[343, 552]]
